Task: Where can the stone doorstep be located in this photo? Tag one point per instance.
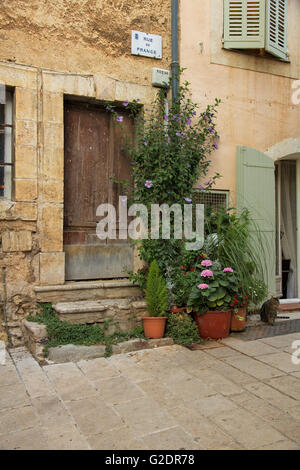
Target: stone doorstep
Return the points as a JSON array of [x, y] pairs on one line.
[[87, 291], [97, 311], [90, 306], [72, 285]]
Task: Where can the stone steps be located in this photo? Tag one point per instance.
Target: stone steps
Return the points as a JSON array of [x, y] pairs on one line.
[[87, 291], [124, 314]]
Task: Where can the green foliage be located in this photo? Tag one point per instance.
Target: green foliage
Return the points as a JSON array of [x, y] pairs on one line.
[[169, 150], [182, 329], [156, 292], [218, 293], [168, 155], [184, 281], [235, 241], [61, 333]]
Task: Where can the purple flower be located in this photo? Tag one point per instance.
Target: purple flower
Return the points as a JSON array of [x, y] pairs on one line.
[[178, 134], [208, 182], [211, 130], [125, 103], [206, 262], [200, 186], [228, 270], [187, 199], [145, 143], [166, 117], [119, 118], [194, 113], [148, 184], [207, 273], [188, 165], [137, 100], [178, 119], [189, 121], [215, 145], [203, 286]]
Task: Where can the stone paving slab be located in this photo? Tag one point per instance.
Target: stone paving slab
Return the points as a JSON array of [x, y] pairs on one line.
[[236, 395]]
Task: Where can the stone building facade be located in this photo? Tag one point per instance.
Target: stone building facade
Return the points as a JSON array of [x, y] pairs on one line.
[[50, 50]]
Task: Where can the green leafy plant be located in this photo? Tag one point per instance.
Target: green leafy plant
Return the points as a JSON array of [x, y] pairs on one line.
[[234, 240], [156, 292], [216, 289], [61, 333], [182, 285], [182, 329], [168, 156]]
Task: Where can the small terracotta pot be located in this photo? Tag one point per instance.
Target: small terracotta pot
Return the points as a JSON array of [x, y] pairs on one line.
[[175, 309], [213, 324], [238, 320], [154, 327]]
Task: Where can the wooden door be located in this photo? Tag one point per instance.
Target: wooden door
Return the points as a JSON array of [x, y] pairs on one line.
[[93, 154]]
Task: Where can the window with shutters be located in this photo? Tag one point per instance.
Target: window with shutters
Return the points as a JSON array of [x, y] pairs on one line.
[[259, 26], [6, 144]]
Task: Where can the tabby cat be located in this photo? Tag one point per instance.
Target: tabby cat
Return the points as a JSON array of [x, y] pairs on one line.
[[269, 311]]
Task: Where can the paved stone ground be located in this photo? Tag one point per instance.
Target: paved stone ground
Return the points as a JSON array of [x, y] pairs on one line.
[[232, 395]]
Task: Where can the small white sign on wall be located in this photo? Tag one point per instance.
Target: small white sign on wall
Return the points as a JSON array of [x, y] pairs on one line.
[[147, 45], [160, 77]]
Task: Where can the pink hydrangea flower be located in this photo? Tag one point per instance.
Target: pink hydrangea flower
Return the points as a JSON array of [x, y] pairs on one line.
[[207, 273], [228, 270], [206, 262], [203, 286]]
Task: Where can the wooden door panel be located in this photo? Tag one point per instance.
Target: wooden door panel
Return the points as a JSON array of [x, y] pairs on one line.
[[86, 164], [94, 152]]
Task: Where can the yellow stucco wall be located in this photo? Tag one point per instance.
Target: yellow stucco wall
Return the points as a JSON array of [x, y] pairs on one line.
[[256, 92], [84, 36]]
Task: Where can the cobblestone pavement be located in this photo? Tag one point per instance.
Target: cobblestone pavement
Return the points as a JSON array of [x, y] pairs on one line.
[[232, 395]]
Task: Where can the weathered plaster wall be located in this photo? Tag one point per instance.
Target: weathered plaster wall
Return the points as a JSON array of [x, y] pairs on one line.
[[256, 108], [91, 36]]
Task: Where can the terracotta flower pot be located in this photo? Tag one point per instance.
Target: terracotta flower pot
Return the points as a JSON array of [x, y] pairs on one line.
[[175, 309], [213, 324], [154, 327], [238, 320]]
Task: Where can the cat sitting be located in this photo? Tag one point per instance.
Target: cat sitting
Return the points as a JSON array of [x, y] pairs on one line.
[[269, 311]]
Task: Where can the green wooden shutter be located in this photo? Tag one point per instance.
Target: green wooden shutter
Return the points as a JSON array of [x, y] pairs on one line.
[[244, 24], [276, 28], [256, 192]]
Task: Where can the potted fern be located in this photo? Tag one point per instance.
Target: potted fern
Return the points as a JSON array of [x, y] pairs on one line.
[[157, 303]]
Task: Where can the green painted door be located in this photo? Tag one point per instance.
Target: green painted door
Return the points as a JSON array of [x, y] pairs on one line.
[[255, 191]]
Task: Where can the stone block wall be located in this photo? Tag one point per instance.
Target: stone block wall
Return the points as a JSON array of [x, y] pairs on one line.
[[31, 224], [80, 51]]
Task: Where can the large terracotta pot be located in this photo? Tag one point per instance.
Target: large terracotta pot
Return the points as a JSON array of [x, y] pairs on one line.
[[154, 327], [213, 324], [238, 320]]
